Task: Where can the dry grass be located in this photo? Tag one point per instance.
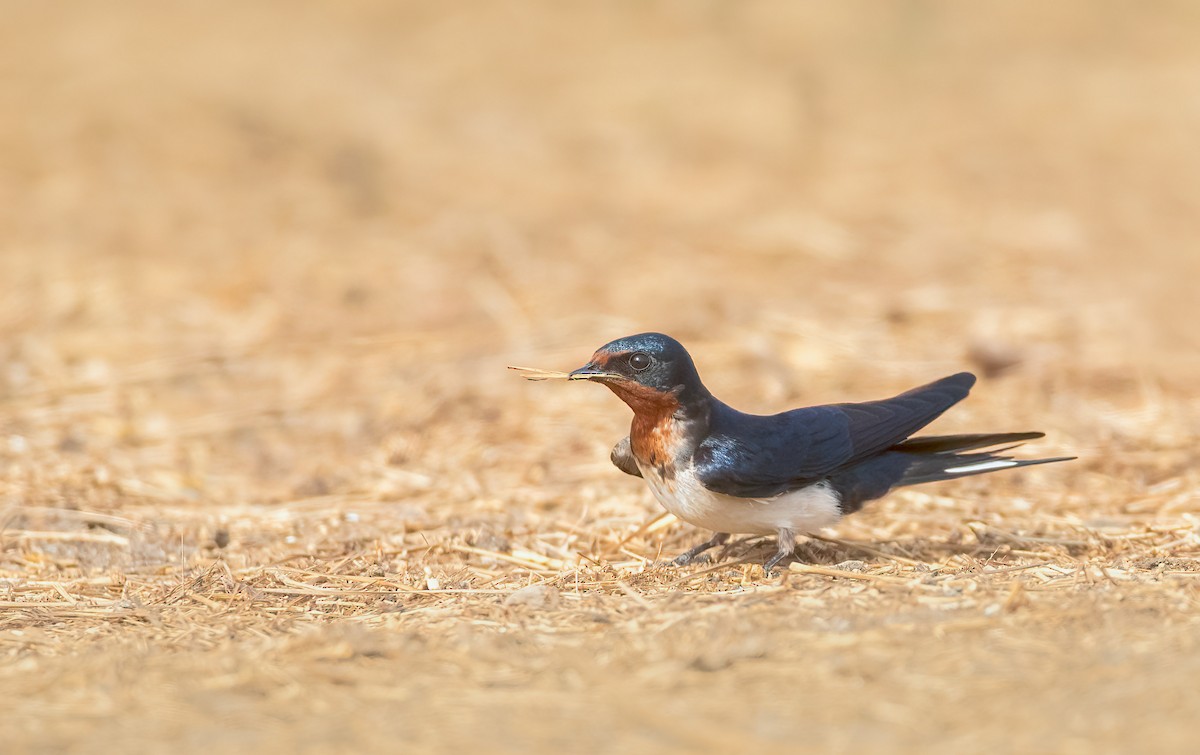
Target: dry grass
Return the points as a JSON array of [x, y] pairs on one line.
[[265, 484]]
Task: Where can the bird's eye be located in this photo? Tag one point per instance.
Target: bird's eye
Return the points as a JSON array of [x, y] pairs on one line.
[[639, 361]]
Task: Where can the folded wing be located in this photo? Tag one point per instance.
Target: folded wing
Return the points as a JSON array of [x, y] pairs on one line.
[[758, 457]]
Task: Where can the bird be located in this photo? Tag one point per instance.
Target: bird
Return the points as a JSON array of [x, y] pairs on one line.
[[783, 474]]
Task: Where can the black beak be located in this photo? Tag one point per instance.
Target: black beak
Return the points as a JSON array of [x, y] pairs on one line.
[[590, 372]]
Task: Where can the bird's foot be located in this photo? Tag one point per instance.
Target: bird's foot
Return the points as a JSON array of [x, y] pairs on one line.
[[769, 567], [786, 548], [689, 556]]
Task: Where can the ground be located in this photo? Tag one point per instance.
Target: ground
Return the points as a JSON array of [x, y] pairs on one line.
[[266, 485]]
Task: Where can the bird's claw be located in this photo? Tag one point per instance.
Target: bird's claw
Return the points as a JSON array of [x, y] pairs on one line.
[[689, 556], [769, 567]]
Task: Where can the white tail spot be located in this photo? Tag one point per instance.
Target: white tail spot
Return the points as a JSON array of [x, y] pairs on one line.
[[983, 466]]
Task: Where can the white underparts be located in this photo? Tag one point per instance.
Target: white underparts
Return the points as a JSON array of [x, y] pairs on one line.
[[983, 466], [805, 510]]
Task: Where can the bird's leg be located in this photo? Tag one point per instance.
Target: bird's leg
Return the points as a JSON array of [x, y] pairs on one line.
[[713, 542], [786, 539]]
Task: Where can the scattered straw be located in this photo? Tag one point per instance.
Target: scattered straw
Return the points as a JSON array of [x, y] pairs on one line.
[[108, 538], [860, 576]]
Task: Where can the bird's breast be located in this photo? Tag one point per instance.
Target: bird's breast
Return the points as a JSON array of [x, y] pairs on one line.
[[655, 442]]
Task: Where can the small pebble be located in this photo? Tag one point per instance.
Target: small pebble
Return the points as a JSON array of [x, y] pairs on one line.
[[534, 596]]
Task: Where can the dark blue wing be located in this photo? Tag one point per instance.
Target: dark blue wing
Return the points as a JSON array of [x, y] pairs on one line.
[[756, 457]]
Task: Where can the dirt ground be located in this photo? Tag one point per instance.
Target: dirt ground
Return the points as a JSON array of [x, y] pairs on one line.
[[266, 485]]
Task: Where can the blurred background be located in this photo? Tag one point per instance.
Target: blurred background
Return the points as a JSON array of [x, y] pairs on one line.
[[259, 253]]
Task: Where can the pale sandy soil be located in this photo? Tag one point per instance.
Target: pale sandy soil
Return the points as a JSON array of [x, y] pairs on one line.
[[265, 484]]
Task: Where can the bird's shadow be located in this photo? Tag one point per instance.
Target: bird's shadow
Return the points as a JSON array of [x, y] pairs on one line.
[[759, 549], [821, 552]]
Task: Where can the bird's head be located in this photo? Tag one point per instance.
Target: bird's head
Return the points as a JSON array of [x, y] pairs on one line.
[[646, 371]]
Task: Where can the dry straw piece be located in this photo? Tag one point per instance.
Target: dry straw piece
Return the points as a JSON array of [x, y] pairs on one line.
[[532, 373]]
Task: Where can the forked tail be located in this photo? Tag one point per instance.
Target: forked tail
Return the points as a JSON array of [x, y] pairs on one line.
[[940, 457], [929, 459]]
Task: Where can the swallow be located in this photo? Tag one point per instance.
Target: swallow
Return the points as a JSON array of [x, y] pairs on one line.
[[782, 474]]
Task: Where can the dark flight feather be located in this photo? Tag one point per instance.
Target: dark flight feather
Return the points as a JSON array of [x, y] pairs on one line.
[[938, 444]]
